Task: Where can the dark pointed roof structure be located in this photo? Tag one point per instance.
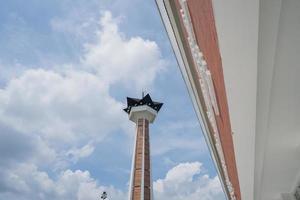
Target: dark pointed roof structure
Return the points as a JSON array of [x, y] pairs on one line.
[[146, 100]]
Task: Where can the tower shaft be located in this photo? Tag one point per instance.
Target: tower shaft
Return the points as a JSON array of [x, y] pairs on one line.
[[142, 112], [141, 187]]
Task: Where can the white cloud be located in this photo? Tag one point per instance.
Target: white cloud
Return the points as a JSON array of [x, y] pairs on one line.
[[18, 147], [65, 109], [68, 105], [76, 153], [116, 59], [186, 181], [61, 108], [27, 182], [58, 116]]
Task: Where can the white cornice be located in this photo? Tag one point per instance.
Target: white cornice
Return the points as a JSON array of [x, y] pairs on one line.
[[144, 112]]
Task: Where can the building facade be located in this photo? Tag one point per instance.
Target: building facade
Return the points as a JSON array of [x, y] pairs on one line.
[[240, 62]]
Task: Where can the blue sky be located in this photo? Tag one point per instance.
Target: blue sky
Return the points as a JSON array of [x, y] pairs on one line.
[[66, 69]]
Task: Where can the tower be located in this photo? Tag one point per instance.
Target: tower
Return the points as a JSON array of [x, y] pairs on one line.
[[142, 112]]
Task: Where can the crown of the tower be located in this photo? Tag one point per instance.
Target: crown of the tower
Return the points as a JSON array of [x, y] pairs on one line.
[[146, 100], [142, 108]]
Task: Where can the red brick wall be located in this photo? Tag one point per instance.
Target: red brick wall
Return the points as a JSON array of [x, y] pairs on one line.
[[142, 138]]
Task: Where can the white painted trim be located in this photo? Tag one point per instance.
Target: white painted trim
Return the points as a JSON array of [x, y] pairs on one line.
[[142, 112], [150, 164], [132, 165], [143, 162]]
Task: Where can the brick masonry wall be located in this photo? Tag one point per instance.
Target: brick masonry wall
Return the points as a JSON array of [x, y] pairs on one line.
[[142, 151]]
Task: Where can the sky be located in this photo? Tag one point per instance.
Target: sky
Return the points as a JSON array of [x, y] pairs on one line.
[[66, 68]]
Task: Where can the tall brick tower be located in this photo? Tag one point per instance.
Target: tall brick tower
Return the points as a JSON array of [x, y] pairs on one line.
[[141, 112]]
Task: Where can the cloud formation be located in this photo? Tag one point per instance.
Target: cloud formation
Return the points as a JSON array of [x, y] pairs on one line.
[[186, 181], [27, 182], [70, 107], [59, 107], [51, 118], [117, 59]]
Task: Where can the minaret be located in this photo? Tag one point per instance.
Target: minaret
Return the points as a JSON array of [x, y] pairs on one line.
[[141, 112]]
